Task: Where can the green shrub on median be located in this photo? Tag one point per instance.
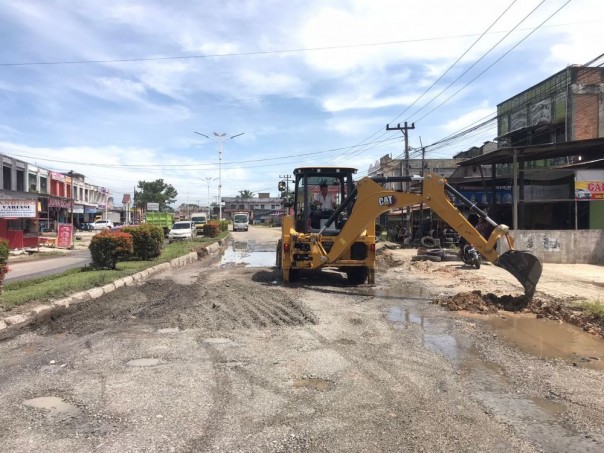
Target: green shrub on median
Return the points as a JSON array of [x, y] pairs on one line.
[[147, 240], [211, 229], [107, 248]]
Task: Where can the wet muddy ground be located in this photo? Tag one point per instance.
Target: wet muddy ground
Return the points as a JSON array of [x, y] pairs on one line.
[[221, 356], [550, 308]]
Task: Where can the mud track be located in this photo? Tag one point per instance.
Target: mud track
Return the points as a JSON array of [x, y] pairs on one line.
[[162, 303]]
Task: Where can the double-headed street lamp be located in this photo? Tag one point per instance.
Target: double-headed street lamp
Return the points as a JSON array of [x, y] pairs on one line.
[[220, 138]]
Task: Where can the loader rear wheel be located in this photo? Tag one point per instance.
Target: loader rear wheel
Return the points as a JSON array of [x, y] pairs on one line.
[[293, 275], [356, 275], [278, 255], [371, 276]]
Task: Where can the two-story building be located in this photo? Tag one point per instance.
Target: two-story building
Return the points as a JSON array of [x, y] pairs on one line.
[[34, 200], [261, 209], [547, 172]]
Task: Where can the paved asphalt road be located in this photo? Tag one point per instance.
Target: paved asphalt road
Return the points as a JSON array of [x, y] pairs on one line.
[[53, 265]]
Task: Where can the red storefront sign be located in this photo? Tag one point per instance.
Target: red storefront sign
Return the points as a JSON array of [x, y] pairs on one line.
[[64, 235]]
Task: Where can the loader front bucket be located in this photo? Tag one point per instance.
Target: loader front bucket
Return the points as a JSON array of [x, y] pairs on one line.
[[525, 266]]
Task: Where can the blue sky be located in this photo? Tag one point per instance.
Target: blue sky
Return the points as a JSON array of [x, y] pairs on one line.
[[308, 82]]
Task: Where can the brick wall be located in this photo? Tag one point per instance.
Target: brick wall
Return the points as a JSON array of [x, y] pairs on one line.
[[585, 116]]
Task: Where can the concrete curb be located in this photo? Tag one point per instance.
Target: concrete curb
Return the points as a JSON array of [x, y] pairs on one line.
[[24, 319]]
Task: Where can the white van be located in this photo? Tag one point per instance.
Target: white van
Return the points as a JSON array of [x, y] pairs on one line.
[[241, 221]]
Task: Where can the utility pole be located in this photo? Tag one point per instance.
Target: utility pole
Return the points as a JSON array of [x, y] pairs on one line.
[[405, 130], [286, 177]]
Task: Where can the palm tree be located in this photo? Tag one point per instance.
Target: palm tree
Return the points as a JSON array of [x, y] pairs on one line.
[[245, 194]]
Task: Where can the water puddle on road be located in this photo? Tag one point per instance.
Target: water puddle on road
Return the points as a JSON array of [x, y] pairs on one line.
[[247, 253], [538, 419], [143, 362], [550, 339], [51, 404], [320, 385]]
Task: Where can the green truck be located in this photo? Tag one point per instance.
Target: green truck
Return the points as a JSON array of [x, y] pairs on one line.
[[165, 220]]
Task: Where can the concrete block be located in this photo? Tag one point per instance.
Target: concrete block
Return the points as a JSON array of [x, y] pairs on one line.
[[128, 280], [108, 288], [119, 283], [3, 325], [41, 309], [95, 293], [63, 302], [212, 248], [16, 319]]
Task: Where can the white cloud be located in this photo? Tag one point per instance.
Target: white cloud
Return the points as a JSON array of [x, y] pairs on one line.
[[365, 101], [266, 83], [468, 118], [355, 126], [120, 89]]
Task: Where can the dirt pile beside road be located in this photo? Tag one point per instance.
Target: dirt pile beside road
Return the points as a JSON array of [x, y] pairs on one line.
[[559, 291], [551, 308]]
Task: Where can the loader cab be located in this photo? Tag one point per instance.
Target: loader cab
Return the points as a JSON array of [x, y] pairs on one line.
[[309, 212]]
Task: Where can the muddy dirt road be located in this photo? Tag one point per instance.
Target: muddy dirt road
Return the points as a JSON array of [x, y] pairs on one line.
[[220, 356]]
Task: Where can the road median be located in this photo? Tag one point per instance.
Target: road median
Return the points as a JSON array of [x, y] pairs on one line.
[[31, 312]]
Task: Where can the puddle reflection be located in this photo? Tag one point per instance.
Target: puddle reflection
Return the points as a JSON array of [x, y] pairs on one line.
[[247, 253], [550, 339]]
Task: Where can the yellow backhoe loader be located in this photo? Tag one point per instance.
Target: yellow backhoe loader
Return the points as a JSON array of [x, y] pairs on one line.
[[343, 236]]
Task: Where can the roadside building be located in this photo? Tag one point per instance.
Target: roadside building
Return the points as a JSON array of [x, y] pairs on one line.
[[548, 170], [261, 209], [34, 201]]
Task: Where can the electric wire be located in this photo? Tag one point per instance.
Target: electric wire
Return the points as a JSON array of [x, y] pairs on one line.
[[495, 62], [455, 63]]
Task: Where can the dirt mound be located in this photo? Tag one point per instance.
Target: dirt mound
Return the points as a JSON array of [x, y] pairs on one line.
[[552, 308], [224, 305]]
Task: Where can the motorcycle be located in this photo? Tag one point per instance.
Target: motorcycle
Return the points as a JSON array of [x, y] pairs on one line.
[[468, 254]]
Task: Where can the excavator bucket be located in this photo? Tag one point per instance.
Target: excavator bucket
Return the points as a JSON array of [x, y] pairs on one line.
[[525, 266]]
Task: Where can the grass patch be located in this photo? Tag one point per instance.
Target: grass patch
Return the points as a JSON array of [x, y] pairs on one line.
[[52, 287], [594, 308]]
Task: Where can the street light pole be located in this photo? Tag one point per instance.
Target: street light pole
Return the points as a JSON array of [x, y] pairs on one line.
[[220, 139], [208, 180], [72, 225]]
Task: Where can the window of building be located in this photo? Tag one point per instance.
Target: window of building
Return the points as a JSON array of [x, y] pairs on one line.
[[33, 185], [261, 206], [20, 180], [272, 206], [6, 174], [43, 185], [233, 206], [240, 207]]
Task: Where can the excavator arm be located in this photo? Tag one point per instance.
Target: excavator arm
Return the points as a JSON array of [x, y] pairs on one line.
[[370, 199]]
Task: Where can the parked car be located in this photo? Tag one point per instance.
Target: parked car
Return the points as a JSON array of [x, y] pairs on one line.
[[582, 194], [102, 224], [181, 231]]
